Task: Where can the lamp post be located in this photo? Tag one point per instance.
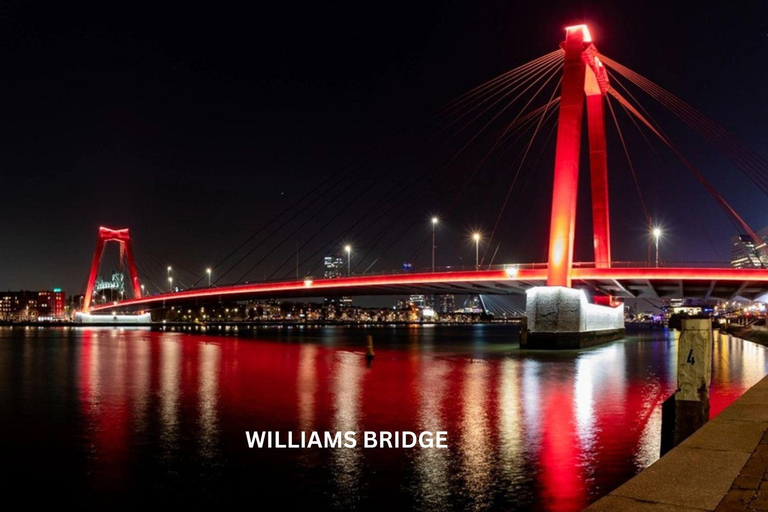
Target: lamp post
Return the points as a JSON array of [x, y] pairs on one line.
[[208, 271], [170, 284], [435, 220], [656, 236], [476, 238], [348, 248], [169, 272], [142, 290]]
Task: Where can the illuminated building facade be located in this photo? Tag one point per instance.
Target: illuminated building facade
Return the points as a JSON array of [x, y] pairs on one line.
[[32, 305], [745, 254]]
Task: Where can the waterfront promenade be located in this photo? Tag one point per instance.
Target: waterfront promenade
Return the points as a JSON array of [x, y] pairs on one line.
[[723, 467]]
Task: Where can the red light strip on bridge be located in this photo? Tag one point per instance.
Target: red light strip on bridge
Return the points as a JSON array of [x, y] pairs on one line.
[[333, 284], [530, 275]]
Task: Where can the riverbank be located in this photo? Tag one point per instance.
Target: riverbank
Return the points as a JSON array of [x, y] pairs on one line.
[[756, 334], [722, 467]]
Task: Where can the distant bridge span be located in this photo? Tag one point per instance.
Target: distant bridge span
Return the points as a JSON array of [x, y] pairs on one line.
[[631, 282]]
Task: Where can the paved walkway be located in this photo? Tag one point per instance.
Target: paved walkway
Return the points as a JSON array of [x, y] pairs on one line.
[[723, 467]]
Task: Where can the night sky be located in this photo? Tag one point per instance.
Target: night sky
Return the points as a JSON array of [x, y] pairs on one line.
[[194, 127]]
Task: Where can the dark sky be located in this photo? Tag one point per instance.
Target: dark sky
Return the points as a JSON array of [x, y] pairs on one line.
[[195, 124]]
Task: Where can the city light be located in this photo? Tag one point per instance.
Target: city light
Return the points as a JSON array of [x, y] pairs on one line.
[[656, 235], [435, 220], [348, 248], [208, 271], [170, 284], [476, 238]]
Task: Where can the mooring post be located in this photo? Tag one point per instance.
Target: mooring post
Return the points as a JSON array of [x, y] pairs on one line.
[[369, 355], [688, 408]]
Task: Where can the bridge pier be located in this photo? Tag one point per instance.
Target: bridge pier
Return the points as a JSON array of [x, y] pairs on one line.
[[562, 318]]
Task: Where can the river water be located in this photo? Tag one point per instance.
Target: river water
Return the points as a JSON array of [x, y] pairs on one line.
[[117, 418]]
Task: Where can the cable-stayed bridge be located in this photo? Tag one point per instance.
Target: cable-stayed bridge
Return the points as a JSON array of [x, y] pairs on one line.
[[587, 79]]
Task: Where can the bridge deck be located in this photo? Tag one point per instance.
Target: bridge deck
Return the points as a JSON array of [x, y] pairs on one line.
[[707, 283]]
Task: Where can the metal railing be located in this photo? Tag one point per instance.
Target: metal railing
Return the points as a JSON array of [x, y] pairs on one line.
[[500, 266]]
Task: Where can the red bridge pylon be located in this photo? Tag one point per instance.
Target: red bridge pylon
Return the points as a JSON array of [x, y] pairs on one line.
[[583, 75], [123, 238]]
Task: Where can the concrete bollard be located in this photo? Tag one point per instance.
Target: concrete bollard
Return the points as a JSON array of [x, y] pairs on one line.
[[688, 408]]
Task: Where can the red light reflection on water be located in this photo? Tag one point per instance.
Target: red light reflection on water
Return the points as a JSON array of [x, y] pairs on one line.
[[525, 431]]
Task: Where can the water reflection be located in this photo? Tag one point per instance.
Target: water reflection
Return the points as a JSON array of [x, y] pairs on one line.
[[163, 414], [346, 388], [432, 467]]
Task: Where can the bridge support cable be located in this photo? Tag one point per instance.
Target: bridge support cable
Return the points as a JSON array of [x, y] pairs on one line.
[[400, 193], [745, 159], [738, 222], [519, 120], [631, 167], [500, 81], [642, 133], [549, 73], [520, 166], [522, 126], [538, 66], [529, 78]]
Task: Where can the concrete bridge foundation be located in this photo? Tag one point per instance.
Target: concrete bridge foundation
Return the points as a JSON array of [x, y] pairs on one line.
[[562, 318]]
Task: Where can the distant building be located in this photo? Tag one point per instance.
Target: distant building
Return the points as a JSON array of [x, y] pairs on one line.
[[334, 268], [689, 306], [338, 302], [745, 254], [418, 300], [32, 305], [447, 304]]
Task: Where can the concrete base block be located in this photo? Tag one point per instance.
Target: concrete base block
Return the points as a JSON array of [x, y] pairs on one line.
[[562, 318]]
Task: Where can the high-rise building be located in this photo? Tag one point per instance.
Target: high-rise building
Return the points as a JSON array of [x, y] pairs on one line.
[[746, 254]]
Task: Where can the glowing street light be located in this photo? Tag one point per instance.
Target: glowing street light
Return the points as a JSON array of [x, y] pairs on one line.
[[476, 238], [435, 220], [142, 290], [170, 284], [169, 272], [348, 249], [208, 271], [656, 235]]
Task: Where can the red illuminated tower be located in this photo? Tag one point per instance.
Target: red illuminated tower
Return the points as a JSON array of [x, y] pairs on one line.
[[122, 237], [583, 75]]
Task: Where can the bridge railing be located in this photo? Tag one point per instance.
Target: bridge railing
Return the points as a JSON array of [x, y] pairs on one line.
[[500, 266]]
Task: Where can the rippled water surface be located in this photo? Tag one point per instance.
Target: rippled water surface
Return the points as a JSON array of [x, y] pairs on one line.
[[120, 418]]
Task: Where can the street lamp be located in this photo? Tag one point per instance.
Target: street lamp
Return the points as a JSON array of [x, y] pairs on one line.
[[208, 271], [476, 238], [435, 220], [169, 272], [142, 290], [656, 236], [348, 248], [170, 284]]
